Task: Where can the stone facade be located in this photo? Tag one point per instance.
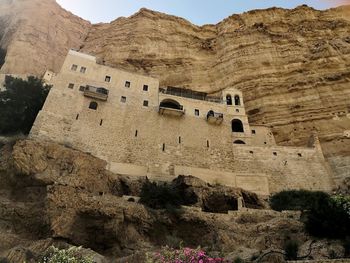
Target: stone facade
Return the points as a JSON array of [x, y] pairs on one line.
[[142, 130]]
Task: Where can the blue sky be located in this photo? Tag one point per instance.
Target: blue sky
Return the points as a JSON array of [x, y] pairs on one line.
[[198, 12]]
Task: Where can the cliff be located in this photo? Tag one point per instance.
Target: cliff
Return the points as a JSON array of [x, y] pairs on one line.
[[54, 195], [292, 65]]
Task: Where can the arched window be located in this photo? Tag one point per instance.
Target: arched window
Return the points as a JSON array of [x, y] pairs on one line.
[[239, 142], [172, 104], [228, 99], [237, 100], [93, 105], [237, 126]]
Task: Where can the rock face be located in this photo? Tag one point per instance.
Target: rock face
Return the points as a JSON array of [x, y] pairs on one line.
[[292, 65], [37, 35], [53, 195]]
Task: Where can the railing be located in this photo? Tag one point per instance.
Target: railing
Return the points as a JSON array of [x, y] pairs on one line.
[[96, 92], [215, 117], [187, 93], [172, 111]]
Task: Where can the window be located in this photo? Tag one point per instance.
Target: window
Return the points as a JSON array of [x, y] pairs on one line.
[[274, 153], [145, 103], [136, 133], [237, 125], [77, 117], [145, 87], [101, 122], [127, 84], [163, 147], [253, 132], [239, 142], [179, 139], [108, 79], [208, 143], [83, 70], [123, 99], [300, 155], [74, 67], [82, 88], [237, 110], [196, 112], [93, 105], [237, 100], [228, 100], [70, 86]]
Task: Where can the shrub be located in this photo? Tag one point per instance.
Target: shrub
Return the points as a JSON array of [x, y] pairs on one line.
[[297, 200], [331, 219], [238, 260], [291, 249], [182, 255], [71, 255], [2, 56], [160, 196], [20, 103]]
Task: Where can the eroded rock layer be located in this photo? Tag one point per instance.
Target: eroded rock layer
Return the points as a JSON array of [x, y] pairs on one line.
[[293, 66], [54, 195]]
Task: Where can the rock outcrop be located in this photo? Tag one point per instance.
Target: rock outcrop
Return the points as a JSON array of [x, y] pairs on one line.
[[292, 65], [54, 195]]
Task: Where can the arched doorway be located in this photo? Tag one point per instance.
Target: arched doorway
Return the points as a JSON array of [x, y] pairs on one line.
[[93, 105], [172, 104], [237, 125]]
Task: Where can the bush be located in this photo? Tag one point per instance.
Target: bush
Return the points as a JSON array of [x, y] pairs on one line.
[[71, 255], [331, 219], [297, 200], [326, 216], [2, 56], [162, 196], [291, 249], [20, 103]]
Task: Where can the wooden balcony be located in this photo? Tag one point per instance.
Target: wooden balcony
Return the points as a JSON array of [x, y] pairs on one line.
[[96, 92], [215, 117]]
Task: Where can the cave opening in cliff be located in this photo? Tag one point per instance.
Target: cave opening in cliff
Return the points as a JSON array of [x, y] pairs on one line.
[[237, 125]]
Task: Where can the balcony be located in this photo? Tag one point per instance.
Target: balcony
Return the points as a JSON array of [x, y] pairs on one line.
[[215, 118], [171, 107], [96, 92]]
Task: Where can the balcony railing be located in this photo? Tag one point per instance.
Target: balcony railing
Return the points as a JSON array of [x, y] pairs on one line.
[[215, 117], [96, 92], [172, 111]]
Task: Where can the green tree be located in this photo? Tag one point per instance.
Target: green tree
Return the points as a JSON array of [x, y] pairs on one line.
[[20, 103]]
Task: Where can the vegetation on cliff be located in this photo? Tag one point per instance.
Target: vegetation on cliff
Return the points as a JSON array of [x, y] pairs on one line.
[[2, 56], [20, 103], [326, 216]]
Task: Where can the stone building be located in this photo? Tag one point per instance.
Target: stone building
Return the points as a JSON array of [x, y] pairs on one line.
[[143, 130]]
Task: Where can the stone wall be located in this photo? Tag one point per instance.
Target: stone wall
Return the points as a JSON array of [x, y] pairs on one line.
[[134, 138]]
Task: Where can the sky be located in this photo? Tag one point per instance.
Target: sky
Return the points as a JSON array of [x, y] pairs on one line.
[[198, 12]]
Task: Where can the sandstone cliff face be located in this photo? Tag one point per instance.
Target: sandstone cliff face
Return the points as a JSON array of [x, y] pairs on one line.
[[292, 65], [37, 35]]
